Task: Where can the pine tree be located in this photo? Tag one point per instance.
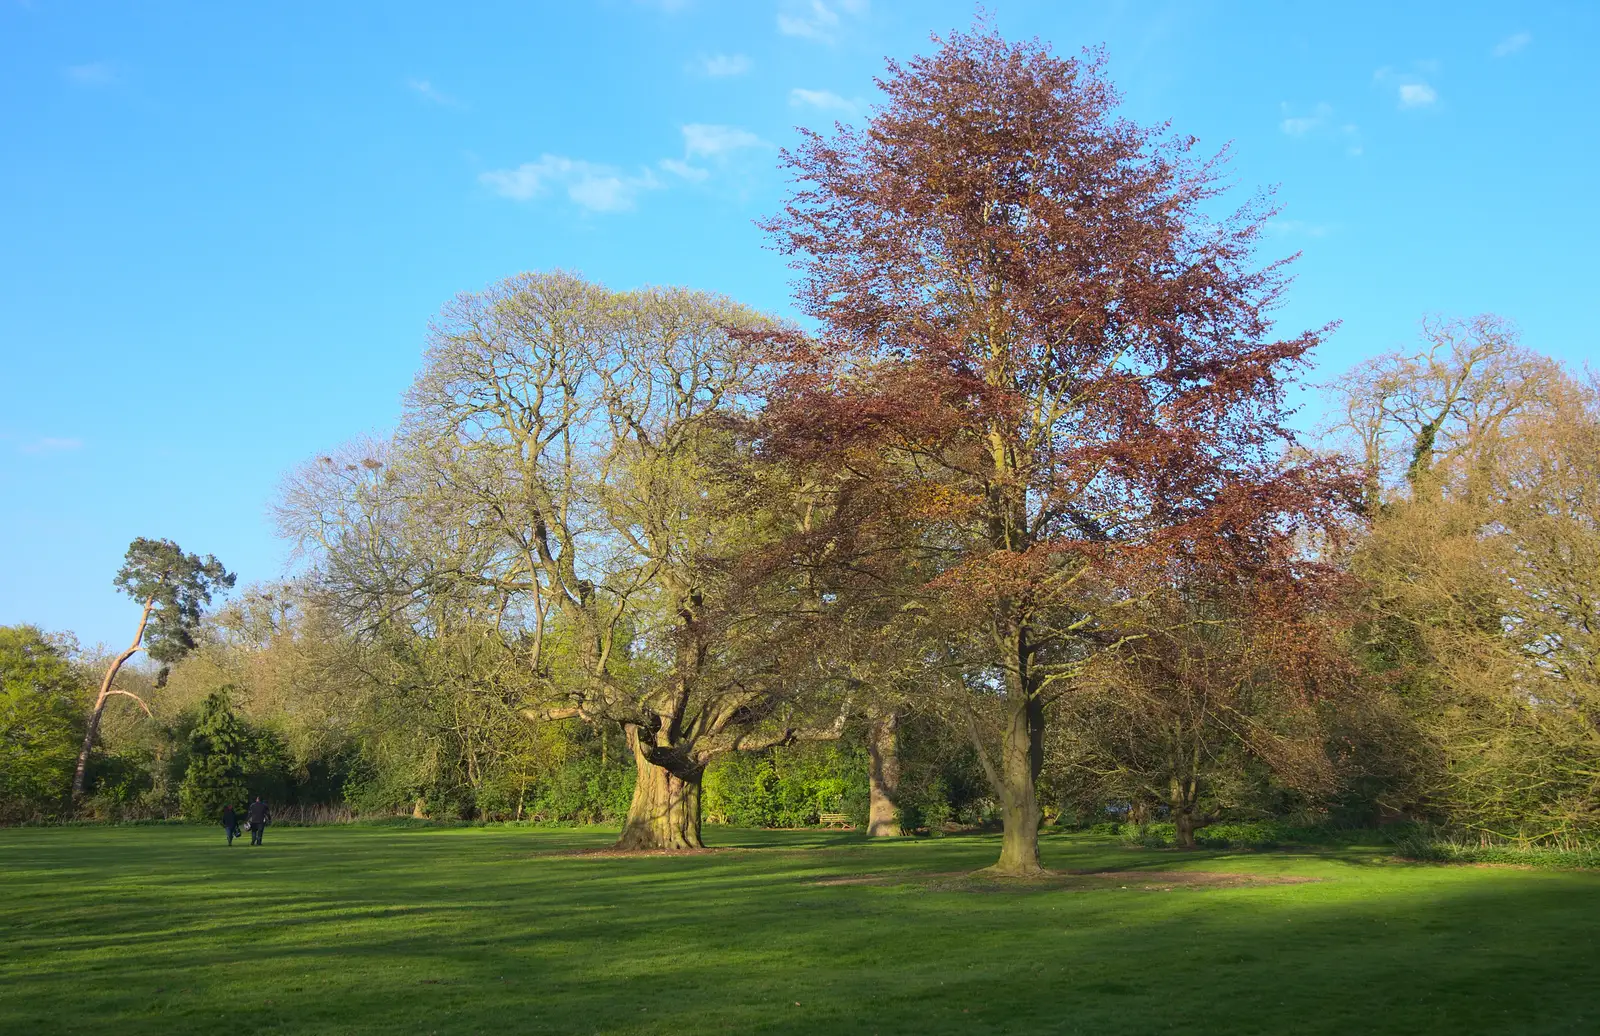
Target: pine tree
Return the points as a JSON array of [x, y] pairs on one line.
[[217, 749]]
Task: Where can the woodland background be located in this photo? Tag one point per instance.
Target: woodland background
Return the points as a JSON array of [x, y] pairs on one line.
[[650, 557]]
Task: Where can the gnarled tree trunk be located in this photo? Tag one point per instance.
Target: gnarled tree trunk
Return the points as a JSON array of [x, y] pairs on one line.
[[665, 811], [1183, 801], [883, 776], [1183, 823]]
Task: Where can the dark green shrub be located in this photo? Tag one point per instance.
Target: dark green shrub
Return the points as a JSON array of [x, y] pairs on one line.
[[219, 747]]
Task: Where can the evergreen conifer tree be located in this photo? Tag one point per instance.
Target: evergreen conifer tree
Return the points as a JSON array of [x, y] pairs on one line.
[[217, 750]]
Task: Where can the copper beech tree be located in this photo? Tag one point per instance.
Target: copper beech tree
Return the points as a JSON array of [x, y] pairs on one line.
[[1042, 355]]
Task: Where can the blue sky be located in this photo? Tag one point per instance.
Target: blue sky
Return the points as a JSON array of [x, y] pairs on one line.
[[223, 228]]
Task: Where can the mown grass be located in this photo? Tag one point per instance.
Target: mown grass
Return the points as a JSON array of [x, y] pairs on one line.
[[502, 930]]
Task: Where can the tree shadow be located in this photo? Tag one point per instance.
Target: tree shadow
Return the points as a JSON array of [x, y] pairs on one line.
[[468, 932]]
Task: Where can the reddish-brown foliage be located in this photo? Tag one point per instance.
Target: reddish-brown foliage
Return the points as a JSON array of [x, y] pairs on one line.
[[1044, 364], [1000, 265]]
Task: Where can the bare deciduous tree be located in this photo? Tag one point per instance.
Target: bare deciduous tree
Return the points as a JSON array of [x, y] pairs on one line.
[[577, 463]]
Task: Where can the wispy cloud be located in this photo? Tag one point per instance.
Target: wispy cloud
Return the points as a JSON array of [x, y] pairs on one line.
[[719, 66], [46, 444], [592, 186], [1302, 125], [1512, 44], [825, 100], [1321, 122], [96, 73], [606, 188], [712, 143], [678, 167], [1412, 91], [819, 20], [432, 94], [704, 140], [1417, 95]]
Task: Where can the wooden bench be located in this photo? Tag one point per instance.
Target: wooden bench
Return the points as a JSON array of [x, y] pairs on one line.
[[834, 820]]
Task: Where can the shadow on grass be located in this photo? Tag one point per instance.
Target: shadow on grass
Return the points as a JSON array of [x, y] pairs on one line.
[[471, 931]]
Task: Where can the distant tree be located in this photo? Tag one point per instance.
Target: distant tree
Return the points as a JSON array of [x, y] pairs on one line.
[[40, 710], [172, 587], [1216, 705], [1480, 580], [1426, 422], [219, 747], [1039, 339]]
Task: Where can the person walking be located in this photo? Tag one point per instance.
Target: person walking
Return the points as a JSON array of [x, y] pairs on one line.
[[260, 816], [230, 822]]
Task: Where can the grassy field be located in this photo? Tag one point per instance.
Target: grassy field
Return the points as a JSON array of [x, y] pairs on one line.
[[506, 930]]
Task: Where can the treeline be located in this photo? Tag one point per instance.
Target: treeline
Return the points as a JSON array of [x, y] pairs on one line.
[[1017, 533]]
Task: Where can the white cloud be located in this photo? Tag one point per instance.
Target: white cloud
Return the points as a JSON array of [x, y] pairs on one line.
[[1319, 122], [97, 73], [1512, 44], [818, 20], [721, 65], [719, 145], [702, 140], [825, 100], [47, 444], [605, 188], [678, 167], [428, 92], [598, 188], [1417, 95], [1411, 90], [1302, 125]]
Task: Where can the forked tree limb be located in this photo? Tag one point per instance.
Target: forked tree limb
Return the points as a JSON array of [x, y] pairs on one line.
[[135, 697], [106, 691]]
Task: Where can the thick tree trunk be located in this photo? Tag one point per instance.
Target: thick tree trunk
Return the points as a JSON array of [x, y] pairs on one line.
[[1183, 821], [883, 776], [92, 730], [665, 811], [1021, 759]]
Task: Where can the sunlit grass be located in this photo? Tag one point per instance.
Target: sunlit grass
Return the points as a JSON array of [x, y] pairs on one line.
[[368, 929]]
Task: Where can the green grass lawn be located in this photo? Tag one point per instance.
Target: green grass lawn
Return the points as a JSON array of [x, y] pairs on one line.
[[505, 930]]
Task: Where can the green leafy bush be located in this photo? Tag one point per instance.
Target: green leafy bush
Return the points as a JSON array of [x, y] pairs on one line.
[[587, 790], [41, 710], [790, 787]]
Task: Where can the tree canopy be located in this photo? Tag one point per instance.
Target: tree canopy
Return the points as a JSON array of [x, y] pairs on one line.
[[1049, 357]]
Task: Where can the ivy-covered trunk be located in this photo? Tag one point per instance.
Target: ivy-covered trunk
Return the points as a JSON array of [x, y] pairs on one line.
[[665, 811]]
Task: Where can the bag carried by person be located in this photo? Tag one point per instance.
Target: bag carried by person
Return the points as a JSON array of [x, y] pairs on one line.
[[247, 825]]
